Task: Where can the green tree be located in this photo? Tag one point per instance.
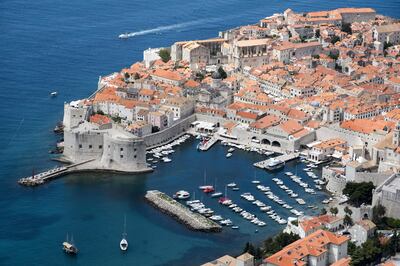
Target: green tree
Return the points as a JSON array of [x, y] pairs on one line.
[[359, 193], [273, 245], [126, 75], [346, 27], [335, 39], [347, 220], [334, 210], [348, 211], [317, 33], [323, 211], [137, 76], [222, 72], [334, 56], [165, 55]]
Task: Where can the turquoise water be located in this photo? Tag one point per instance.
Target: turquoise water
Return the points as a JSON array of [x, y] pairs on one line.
[[64, 46]]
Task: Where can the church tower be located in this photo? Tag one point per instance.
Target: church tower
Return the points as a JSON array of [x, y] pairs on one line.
[[396, 135]]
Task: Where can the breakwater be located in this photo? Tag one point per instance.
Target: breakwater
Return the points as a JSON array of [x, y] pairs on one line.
[[181, 213]]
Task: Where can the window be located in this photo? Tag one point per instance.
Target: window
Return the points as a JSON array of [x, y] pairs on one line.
[[134, 156], [100, 146], [121, 156], [122, 149], [134, 149], [90, 146], [80, 146]]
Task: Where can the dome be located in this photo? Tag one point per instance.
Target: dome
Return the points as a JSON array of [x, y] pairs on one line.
[[216, 75]]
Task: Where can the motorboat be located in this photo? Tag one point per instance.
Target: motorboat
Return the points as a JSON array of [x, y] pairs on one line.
[[231, 185], [123, 245], [166, 159], [228, 155], [230, 150], [274, 164], [216, 194], [69, 247], [182, 195], [53, 94]]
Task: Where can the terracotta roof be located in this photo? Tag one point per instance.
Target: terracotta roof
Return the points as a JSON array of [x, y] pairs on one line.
[[314, 244], [100, 119], [265, 122]]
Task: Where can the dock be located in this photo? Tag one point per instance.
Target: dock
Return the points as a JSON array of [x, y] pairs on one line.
[[208, 144], [284, 157], [43, 177], [181, 213]]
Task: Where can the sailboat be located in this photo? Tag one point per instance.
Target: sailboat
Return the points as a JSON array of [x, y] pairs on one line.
[[217, 193], [69, 247], [255, 181], [124, 243], [205, 186]]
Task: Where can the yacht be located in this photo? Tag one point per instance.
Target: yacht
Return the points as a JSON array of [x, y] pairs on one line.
[[231, 150], [274, 164], [53, 94], [228, 155], [123, 245], [231, 185], [166, 159], [69, 247], [182, 195], [216, 194]]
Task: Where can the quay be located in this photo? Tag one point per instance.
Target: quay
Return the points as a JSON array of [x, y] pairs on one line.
[[43, 177], [181, 213], [284, 157]]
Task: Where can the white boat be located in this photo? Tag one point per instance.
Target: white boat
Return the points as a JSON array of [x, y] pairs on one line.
[[53, 94], [231, 150], [231, 185], [235, 227], [235, 188], [123, 245], [166, 159], [181, 194], [274, 164], [216, 194], [228, 155]]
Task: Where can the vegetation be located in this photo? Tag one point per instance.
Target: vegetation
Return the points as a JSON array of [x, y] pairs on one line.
[[334, 56], [255, 251], [273, 245], [137, 76], [335, 39], [99, 112], [154, 129], [347, 220], [222, 72], [316, 56], [126, 75], [116, 119], [323, 211], [317, 33], [387, 45], [165, 55], [359, 193], [199, 76], [373, 250], [334, 211], [346, 27], [383, 222]]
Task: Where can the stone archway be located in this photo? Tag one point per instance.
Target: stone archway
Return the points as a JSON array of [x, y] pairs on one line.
[[276, 143], [266, 141]]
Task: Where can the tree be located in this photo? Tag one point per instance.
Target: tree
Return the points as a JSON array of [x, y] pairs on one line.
[[126, 75], [222, 73], [249, 248], [359, 193], [348, 211], [323, 211], [335, 39], [316, 56], [273, 245], [334, 210], [378, 213], [347, 220], [137, 76], [334, 56], [165, 55], [346, 27], [317, 33]]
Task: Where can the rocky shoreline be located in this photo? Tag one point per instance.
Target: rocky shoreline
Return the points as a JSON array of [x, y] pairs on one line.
[[193, 221]]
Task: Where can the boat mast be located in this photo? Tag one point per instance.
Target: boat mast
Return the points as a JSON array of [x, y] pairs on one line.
[[124, 226]]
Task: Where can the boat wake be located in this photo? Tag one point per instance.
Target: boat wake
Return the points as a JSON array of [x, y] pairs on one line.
[[167, 28]]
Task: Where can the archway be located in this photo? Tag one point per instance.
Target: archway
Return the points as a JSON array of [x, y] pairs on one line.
[[266, 141], [275, 144]]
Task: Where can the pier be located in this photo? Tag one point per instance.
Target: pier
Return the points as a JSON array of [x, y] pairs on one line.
[[284, 157], [180, 212], [208, 144], [43, 177]]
